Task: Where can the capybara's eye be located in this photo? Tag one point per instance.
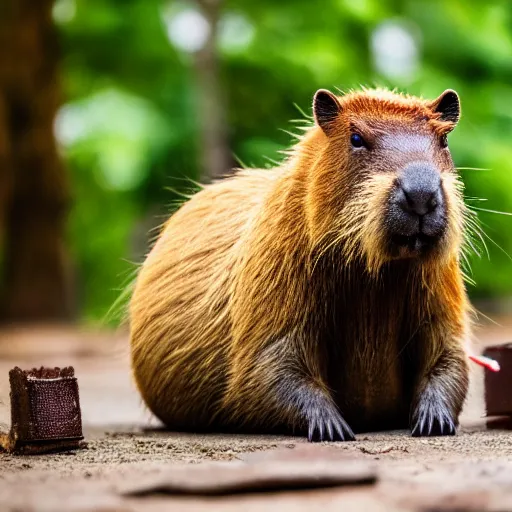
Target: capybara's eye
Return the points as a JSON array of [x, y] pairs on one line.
[[444, 141], [356, 140]]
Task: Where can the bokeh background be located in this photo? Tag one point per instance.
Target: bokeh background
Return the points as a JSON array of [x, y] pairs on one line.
[[110, 110]]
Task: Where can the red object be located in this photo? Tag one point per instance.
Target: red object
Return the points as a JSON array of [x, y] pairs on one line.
[[486, 362]]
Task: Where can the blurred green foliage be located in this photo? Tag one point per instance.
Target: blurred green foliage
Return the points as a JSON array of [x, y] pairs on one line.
[[129, 127]]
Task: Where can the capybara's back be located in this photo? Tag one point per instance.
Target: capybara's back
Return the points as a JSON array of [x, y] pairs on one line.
[[321, 297]]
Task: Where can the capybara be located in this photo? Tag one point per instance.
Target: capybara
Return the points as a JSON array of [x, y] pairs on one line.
[[322, 297]]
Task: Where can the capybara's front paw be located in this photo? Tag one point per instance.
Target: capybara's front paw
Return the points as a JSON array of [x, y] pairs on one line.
[[432, 417], [327, 424]]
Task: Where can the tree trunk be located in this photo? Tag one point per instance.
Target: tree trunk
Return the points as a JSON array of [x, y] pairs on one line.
[[214, 151], [33, 186]]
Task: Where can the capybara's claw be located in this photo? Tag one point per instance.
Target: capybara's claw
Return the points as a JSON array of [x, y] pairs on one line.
[[328, 425], [433, 418]]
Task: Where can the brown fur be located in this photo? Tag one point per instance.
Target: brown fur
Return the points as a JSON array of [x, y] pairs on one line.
[[276, 281]]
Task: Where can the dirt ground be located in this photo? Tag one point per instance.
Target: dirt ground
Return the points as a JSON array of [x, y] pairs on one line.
[[472, 471]]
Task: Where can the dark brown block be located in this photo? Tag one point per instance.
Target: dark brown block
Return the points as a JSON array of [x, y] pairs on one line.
[[45, 411], [498, 385]]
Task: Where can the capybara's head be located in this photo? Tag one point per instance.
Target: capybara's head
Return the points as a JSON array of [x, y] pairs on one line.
[[385, 187]]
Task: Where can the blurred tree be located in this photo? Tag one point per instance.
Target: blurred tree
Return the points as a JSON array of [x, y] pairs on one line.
[[33, 189], [214, 151], [144, 119]]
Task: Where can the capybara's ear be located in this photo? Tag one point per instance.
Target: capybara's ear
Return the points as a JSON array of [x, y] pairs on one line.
[[326, 109], [448, 106]]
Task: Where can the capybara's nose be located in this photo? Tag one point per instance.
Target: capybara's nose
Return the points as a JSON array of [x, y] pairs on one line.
[[419, 189]]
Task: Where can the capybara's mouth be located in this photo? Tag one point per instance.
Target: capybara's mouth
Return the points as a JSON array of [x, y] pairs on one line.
[[416, 244]]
